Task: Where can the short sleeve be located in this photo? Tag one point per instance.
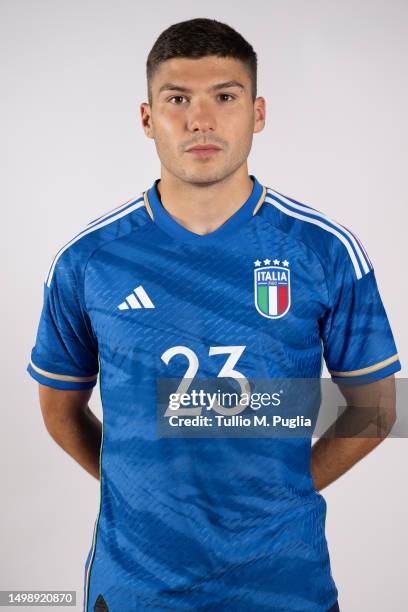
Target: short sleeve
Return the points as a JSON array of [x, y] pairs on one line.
[[358, 344], [65, 355]]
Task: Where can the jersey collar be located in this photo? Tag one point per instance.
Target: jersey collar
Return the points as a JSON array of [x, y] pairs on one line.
[[168, 224]]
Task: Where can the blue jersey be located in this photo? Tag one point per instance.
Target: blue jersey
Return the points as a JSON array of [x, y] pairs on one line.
[[208, 523]]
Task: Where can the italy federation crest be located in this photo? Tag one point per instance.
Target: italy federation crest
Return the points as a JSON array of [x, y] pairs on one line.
[[272, 288]]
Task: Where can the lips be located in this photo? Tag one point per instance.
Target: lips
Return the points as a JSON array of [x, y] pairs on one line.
[[203, 148], [203, 151]]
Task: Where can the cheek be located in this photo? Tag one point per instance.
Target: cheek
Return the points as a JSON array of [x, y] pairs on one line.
[[166, 130], [169, 121], [241, 134], [247, 121], [237, 122]]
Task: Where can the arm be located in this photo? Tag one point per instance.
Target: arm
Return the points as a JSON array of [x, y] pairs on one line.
[[72, 425], [370, 411]]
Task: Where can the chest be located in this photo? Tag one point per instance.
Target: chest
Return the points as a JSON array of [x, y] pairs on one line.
[[152, 301]]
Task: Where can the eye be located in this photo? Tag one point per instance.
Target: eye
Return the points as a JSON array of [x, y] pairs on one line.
[[226, 95], [178, 98]]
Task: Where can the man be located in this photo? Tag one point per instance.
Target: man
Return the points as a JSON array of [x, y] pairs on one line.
[[207, 274]]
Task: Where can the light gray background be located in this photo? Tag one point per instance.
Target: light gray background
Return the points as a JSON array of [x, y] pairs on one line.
[[334, 77]]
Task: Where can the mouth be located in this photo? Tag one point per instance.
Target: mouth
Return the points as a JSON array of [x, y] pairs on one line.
[[203, 150]]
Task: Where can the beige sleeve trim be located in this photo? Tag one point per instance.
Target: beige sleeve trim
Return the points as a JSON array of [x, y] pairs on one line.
[[373, 368], [63, 376]]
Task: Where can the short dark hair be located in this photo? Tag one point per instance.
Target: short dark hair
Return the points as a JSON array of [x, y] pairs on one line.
[[197, 38]]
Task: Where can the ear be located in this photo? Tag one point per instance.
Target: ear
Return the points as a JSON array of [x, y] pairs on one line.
[[259, 114], [146, 117]]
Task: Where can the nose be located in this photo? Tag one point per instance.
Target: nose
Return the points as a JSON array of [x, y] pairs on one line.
[[200, 118]]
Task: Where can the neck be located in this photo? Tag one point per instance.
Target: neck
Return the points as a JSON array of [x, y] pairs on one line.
[[203, 208]]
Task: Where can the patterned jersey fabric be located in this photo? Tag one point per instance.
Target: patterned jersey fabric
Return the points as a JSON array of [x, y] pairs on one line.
[[208, 523]]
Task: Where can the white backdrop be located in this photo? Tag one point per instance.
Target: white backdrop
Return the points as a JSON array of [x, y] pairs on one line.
[[334, 75]]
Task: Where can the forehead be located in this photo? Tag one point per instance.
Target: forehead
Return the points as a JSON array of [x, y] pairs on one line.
[[200, 73]]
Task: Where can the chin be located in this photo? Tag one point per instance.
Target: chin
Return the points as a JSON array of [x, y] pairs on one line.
[[205, 176]]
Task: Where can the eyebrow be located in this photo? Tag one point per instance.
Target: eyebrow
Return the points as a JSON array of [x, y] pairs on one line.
[[218, 86]]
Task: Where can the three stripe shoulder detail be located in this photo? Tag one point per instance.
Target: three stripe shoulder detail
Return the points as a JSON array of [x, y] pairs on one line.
[[358, 255], [103, 221]]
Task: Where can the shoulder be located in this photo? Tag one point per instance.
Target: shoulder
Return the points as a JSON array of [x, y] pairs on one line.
[[73, 256], [333, 243]]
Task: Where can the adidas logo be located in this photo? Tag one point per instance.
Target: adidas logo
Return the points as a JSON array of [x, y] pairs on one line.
[[133, 302]]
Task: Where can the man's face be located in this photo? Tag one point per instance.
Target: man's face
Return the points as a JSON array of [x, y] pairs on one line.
[[204, 101]]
